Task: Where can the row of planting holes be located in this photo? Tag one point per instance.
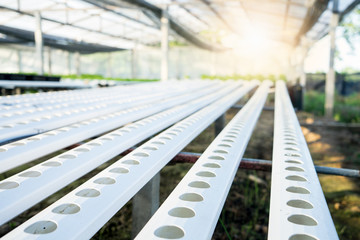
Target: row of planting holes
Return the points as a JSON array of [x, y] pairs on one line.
[[52, 163], [12, 184], [175, 232], [293, 157], [53, 133], [44, 227], [49, 117]]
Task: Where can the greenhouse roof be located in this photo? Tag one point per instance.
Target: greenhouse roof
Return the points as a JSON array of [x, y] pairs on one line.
[[109, 25]]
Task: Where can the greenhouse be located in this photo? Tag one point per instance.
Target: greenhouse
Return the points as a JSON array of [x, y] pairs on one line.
[[180, 119]]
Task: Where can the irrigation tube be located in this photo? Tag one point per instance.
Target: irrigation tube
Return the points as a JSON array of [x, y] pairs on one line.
[[55, 104], [14, 101], [80, 214], [193, 208], [21, 129], [298, 209], [28, 149], [27, 188]]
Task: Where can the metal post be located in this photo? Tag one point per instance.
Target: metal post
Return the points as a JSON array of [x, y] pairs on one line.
[[39, 43], [49, 62], [164, 45], [78, 63], [19, 56], [110, 68], [144, 204], [219, 124], [68, 55], [331, 76], [133, 63]]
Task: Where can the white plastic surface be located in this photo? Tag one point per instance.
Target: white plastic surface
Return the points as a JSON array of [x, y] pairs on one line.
[[83, 211], [28, 149], [298, 209], [193, 208], [38, 182], [22, 128]]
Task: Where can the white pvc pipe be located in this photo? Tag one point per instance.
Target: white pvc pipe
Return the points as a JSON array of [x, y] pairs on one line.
[[298, 209], [21, 129], [193, 208], [26, 188], [28, 149], [83, 211]]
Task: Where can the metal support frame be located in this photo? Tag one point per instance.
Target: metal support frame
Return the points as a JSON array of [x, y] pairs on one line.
[[144, 204], [115, 185], [193, 208], [331, 75], [298, 208], [19, 58], [39, 43], [68, 61], [78, 63], [49, 61], [220, 124], [164, 46], [133, 62]]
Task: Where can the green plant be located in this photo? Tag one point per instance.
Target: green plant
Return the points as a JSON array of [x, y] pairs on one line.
[[314, 102], [346, 109]]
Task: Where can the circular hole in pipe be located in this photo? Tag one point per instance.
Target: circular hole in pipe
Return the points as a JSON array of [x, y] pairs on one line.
[[51, 164], [66, 208], [301, 219], [30, 174], [296, 178], [300, 190], [169, 232], [211, 165], [119, 170], [41, 227], [221, 151], [82, 149], [293, 161], [199, 184], [105, 181], [8, 185], [191, 197], [214, 157], [294, 169], [181, 212], [131, 162], [68, 156], [88, 192], [302, 237], [297, 203], [205, 174]]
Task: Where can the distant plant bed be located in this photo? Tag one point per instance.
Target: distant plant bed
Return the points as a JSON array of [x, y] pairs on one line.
[[100, 77], [346, 109], [246, 77]]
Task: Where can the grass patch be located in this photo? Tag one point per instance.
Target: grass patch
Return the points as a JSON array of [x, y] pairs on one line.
[[346, 109]]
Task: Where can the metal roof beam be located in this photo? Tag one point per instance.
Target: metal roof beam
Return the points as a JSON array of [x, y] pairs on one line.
[[312, 15], [69, 24], [58, 42], [218, 15], [181, 31], [96, 3]]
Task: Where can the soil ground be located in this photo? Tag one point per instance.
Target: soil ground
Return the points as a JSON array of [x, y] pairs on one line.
[[245, 214]]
